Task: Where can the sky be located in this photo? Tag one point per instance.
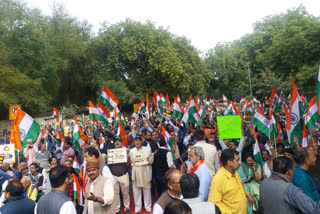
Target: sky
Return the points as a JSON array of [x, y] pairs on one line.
[[204, 22]]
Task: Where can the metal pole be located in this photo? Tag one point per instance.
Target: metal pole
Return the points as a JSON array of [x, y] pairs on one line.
[[249, 79]]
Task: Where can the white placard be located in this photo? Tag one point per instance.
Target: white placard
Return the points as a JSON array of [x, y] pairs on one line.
[[139, 158], [117, 155]]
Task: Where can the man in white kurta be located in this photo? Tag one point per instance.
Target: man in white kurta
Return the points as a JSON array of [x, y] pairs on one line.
[[141, 160]]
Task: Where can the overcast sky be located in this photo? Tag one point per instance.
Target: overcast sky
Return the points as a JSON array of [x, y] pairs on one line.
[[204, 22]]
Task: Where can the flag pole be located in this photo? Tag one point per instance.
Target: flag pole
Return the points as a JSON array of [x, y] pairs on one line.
[[53, 137]]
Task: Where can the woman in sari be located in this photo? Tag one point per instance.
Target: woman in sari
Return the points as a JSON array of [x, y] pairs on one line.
[[252, 175]]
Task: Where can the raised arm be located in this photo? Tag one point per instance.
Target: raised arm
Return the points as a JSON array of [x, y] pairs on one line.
[[223, 145], [36, 144]]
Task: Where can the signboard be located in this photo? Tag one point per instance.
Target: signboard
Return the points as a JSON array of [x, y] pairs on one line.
[[139, 158], [13, 111], [1, 159], [117, 155], [135, 108], [166, 112], [229, 127], [7, 153]]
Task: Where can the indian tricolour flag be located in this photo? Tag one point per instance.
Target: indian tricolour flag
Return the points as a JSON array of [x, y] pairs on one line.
[[76, 164], [170, 142], [293, 125], [104, 114], [185, 117], [261, 121], [157, 101], [201, 113], [163, 101], [177, 112], [257, 149], [224, 101], [228, 109], [79, 138], [60, 136], [94, 113], [243, 100], [141, 106], [235, 110], [108, 98], [193, 113], [148, 112], [45, 133], [57, 115], [274, 132], [77, 191], [178, 99], [132, 123], [24, 127], [121, 134], [312, 115]]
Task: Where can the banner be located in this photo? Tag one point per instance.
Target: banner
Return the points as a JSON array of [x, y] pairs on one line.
[[166, 112], [229, 127], [8, 153], [117, 156], [13, 111], [139, 158]]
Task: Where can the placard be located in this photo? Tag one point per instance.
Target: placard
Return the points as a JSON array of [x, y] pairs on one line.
[[117, 155], [8, 153], [229, 127], [166, 112], [139, 158]]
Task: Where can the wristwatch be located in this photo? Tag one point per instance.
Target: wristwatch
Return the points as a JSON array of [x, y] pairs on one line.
[[96, 199]]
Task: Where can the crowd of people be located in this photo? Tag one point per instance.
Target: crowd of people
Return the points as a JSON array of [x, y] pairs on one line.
[[199, 173]]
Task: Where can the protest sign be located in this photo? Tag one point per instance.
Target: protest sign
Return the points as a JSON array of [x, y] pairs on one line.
[[7, 152], [117, 156], [229, 127], [139, 158], [166, 112]]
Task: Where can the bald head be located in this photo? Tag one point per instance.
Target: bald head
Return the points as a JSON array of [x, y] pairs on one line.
[[171, 175], [26, 181]]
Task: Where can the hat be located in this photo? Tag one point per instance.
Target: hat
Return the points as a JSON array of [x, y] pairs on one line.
[[93, 164], [138, 136]]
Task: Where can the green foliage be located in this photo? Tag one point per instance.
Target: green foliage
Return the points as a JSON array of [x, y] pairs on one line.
[[70, 110], [149, 58], [280, 46]]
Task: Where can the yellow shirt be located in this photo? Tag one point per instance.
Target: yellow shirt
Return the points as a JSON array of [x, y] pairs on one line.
[[228, 193]]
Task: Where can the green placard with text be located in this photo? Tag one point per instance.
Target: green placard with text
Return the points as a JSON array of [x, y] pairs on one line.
[[229, 127]]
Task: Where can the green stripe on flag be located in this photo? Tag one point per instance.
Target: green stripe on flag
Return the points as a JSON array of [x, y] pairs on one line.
[[33, 134]]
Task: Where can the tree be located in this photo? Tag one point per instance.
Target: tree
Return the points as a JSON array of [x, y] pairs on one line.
[[150, 58]]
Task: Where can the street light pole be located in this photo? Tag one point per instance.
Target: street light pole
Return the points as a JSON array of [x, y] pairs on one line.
[[249, 79]]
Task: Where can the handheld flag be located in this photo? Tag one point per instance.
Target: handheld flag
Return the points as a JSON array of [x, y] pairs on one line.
[[108, 98], [24, 128]]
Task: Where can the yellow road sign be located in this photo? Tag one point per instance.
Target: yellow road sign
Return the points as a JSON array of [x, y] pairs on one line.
[[13, 111]]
